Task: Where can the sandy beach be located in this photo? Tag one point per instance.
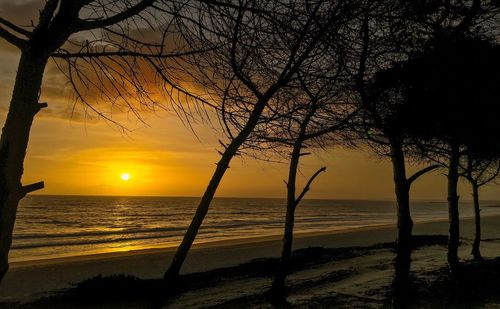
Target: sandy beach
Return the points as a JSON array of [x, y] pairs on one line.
[[27, 281]]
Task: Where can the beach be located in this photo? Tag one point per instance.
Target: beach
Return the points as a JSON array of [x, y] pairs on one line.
[[27, 281]]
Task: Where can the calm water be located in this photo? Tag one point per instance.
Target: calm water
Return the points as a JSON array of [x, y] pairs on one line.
[[54, 226]]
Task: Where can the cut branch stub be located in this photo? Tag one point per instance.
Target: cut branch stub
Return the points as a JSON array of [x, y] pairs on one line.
[[32, 187], [40, 106]]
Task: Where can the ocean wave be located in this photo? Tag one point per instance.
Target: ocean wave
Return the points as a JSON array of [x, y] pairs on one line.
[[83, 242], [53, 225], [98, 233]]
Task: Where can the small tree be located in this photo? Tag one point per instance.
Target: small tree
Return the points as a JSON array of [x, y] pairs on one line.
[[313, 118], [278, 292], [478, 170]]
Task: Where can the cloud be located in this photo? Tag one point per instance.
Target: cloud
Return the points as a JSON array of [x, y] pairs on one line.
[[21, 12]]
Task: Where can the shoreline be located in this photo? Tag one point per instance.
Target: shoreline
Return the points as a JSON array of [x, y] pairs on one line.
[[239, 241], [27, 281]]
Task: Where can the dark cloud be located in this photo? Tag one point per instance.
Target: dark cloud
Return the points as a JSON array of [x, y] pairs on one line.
[[21, 12]]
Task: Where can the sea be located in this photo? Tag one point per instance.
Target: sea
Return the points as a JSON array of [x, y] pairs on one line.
[[61, 226]]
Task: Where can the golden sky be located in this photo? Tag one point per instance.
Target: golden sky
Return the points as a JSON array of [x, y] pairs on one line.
[[78, 154]]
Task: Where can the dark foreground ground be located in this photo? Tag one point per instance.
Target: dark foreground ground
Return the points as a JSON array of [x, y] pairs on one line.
[[355, 277]]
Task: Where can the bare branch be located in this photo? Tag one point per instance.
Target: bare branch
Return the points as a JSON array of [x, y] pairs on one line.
[[14, 27], [422, 172], [308, 185], [105, 22], [335, 127], [12, 39], [237, 68], [32, 187], [491, 178], [125, 53]]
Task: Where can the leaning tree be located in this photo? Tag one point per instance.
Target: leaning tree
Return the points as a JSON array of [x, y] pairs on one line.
[[256, 50], [101, 46]]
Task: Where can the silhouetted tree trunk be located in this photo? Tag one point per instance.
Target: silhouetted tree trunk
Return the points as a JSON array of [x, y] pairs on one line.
[[58, 20], [402, 260], [231, 150], [278, 292], [453, 215], [13, 144], [404, 246], [405, 223], [480, 169], [278, 289], [476, 253]]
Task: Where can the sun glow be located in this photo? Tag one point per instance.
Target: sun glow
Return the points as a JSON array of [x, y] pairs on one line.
[[125, 176]]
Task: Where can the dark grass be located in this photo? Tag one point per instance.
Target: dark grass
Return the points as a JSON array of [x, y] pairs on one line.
[[124, 289], [475, 285]]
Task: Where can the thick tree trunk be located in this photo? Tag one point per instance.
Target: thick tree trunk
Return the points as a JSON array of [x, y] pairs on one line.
[[405, 223], [13, 144], [453, 215], [173, 271], [402, 260], [476, 253], [278, 289]]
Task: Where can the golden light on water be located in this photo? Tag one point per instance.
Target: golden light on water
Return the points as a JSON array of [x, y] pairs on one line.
[[125, 176]]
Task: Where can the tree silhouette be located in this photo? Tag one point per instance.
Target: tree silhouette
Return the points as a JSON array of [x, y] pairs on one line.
[[258, 49], [391, 36], [385, 124], [386, 33], [314, 116], [452, 89], [105, 61], [479, 170]]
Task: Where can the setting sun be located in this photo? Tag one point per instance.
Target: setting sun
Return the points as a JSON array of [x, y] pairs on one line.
[[125, 176]]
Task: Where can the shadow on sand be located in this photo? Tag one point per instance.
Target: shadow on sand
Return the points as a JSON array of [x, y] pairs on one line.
[[475, 285]]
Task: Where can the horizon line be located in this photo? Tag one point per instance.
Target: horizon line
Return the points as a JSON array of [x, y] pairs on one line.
[[253, 197]]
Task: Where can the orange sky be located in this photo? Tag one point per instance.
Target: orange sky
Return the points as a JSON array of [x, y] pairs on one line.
[[81, 155]]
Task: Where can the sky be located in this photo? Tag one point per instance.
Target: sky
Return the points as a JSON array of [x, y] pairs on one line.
[[76, 153]]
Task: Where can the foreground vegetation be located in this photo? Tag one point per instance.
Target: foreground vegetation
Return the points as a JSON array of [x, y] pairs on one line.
[[319, 277]]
